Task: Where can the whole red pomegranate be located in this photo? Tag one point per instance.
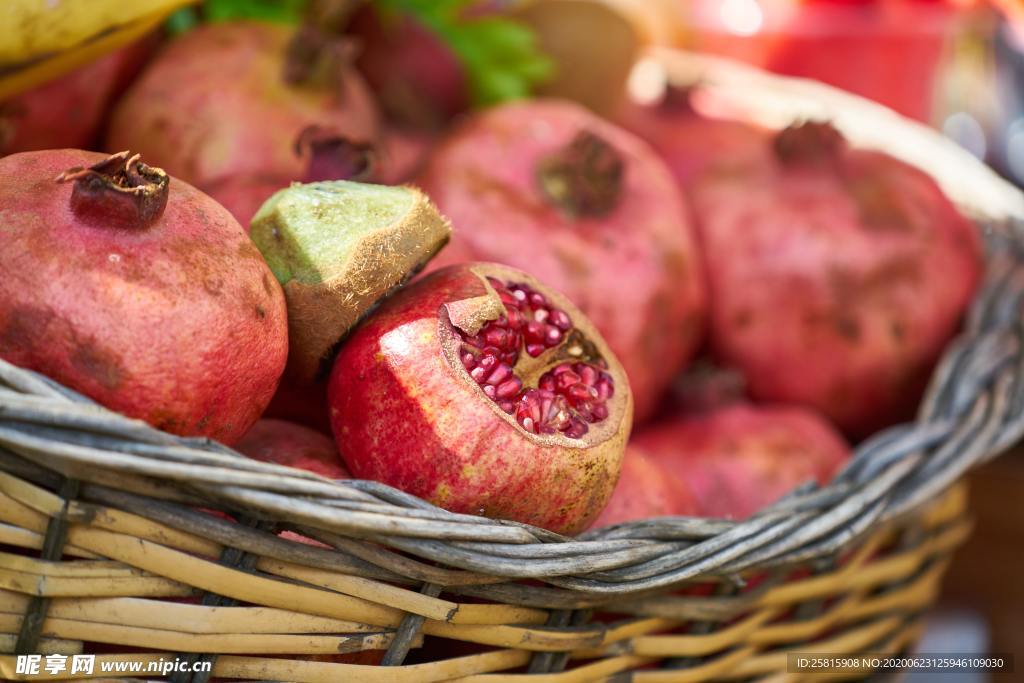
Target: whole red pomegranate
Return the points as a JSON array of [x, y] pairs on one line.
[[68, 111], [484, 392], [693, 144], [279, 106], [554, 190], [837, 276], [741, 458], [293, 445], [645, 490], [137, 290]]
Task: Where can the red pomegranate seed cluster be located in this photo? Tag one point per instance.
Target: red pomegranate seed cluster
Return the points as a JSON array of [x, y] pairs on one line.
[[568, 397]]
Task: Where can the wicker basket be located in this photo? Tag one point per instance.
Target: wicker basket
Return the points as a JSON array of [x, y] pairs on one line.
[[132, 559]]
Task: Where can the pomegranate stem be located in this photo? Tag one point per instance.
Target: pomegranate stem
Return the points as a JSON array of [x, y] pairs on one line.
[[584, 178], [120, 192]]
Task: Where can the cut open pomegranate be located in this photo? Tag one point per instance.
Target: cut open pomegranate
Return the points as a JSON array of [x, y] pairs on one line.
[[481, 390]]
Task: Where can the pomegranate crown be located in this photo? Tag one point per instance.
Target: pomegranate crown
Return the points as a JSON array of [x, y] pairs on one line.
[[318, 56], [584, 178], [809, 143], [119, 191], [332, 156]]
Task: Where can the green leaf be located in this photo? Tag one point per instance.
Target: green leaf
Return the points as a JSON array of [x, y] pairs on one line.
[[279, 11], [500, 55], [181, 21]]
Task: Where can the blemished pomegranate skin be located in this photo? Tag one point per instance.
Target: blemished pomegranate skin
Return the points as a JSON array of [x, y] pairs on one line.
[[234, 131], [453, 391], [174, 319], [837, 276], [738, 459], [549, 188]]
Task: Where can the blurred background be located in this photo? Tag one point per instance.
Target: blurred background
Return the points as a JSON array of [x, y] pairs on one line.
[[957, 65]]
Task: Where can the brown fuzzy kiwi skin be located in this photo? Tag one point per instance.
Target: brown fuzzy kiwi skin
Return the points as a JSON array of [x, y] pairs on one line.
[[321, 314]]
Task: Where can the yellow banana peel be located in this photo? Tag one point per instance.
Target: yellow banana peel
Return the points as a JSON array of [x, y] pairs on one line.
[[42, 39]]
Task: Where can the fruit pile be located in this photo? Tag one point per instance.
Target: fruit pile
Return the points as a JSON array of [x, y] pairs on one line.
[[336, 246]]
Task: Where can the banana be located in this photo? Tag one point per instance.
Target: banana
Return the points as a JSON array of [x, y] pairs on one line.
[[42, 39]]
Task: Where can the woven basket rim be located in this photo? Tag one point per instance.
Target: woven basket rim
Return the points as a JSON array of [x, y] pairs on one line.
[[973, 410]]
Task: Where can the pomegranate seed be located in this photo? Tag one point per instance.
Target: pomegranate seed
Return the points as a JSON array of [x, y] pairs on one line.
[[576, 429], [496, 336], [534, 349], [567, 397], [500, 374], [560, 319], [534, 331], [580, 392], [515, 318], [567, 379], [509, 388], [585, 409]]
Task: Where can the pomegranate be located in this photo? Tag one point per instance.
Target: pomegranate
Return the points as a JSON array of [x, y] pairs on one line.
[[293, 445], [837, 276], [645, 490], [484, 392], [137, 290], [279, 107], [741, 458], [550, 188], [68, 111], [693, 144], [418, 80]]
